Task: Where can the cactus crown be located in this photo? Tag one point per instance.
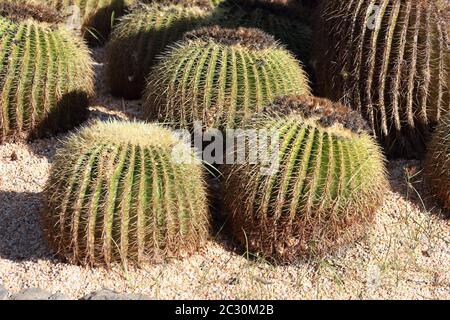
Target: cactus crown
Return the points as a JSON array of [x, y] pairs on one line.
[[324, 193], [19, 11], [116, 194], [204, 4], [320, 111], [251, 38]]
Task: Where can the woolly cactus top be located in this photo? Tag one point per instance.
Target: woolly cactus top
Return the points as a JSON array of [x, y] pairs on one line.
[[248, 37], [118, 132], [206, 4], [320, 111], [19, 11]]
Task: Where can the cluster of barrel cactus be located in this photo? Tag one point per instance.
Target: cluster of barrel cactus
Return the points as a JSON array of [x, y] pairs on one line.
[[136, 192]]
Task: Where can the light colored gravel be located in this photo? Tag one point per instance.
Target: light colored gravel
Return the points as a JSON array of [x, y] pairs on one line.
[[406, 255]]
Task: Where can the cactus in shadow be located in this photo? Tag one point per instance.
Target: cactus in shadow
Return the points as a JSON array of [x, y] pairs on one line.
[[390, 60], [326, 180], [221, 77], [142, 35], [119, 192], [46, 78], [437, 164], [280, 19]]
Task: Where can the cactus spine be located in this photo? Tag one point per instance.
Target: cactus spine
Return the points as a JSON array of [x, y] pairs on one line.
[[45, 79], [437, 164], [329, 183], [390, 60], [140, 37], [221, 77], [115, 194]]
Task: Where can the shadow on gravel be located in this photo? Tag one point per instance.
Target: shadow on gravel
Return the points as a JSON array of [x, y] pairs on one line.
[[20, 234], [406, 179]]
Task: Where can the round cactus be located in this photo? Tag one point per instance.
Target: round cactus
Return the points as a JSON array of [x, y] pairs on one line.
[[323, 193], [390, 60], [141, 35], [116, 193], [221, 77], [437, 164], [277, 18], [46, 78], [21, 10]]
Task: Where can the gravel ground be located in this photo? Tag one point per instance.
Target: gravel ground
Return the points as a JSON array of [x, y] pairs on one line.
[[405, 256]]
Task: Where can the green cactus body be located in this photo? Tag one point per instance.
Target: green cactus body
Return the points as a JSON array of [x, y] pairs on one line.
[[329, 183], [115, 194], [390, 60], [46, 78], [221, 77], [437, 164], [140, 37], [283, 22]]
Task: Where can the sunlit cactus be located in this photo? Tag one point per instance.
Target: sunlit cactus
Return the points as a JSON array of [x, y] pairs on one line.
[[142, 35], [390, 60], [119, 192], [325, 182], [46, 78], [221, 77]]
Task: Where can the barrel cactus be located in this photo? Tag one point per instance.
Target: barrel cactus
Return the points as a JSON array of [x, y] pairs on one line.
[[46, 79], [221, 77], [329, 180], [391, 61], [21, 10], [141, 35], [277, 18], [437, 164], [118, 193]]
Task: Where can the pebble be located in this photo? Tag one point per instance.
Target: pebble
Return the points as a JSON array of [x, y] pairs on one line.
[[3, 293]]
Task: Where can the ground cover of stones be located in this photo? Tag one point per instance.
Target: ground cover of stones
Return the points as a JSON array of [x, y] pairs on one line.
[[405, 255]]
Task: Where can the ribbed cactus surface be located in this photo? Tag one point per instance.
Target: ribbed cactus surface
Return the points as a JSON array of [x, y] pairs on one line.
[[45, 79], [391, 61], [142, 35], [118, 193], [437, 164], [284, 22], [329, 182], [221, 77]]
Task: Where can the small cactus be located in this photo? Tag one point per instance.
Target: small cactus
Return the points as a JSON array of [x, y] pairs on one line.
[[437, 164], [277, 18], [390, 61], [115, 194], [330, 181], [221, 77], [46, 78], [141, 35]]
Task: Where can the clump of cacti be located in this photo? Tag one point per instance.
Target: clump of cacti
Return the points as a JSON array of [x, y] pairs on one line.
[[325, 182], [22, 10], [142, 35], [119, 192], [437, 164], [221, 77], [277, 18], [46, 78], [95, 18], [390, 60]]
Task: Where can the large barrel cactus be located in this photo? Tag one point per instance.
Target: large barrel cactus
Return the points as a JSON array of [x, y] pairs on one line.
[[322, 190], [391, 61], [221, 77], [142, 35], [118, 192], [437, 164], [46, 79], [277, 18]]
